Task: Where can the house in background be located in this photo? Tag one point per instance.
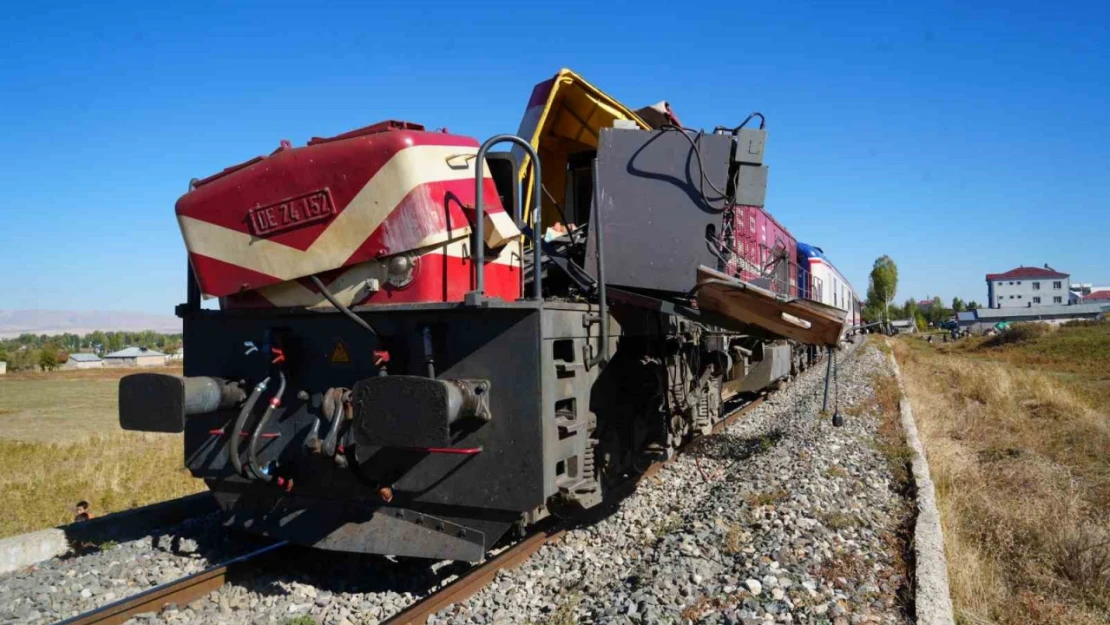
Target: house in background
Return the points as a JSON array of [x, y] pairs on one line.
[[904, 326], [983, 319], [83, 361], [1028, 287], [135, 357]]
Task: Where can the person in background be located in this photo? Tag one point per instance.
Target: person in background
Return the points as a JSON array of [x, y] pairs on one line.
[[82, 511]]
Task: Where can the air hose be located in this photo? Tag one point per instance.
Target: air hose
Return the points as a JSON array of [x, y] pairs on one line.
[[332, 440], [240, 422], [253, 446]]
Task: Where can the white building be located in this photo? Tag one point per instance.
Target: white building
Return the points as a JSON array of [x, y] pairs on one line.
[[135, 357], [1027, 287], [83, 361]]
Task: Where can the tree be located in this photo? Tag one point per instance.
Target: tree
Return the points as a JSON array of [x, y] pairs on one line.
[[115, 341], [957, 304], [937, 312], [909, 308], [884, 282], [48, 358], [98, 341], [919, 319], [973, 305]]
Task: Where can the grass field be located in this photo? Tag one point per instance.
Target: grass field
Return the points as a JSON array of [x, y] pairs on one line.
[[1018, 439], [60, 442]]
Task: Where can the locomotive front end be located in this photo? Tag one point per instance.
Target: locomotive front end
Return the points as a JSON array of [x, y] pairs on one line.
[[401, 430]]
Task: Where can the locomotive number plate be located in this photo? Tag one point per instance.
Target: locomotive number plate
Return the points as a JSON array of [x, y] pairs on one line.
[[292, 213]]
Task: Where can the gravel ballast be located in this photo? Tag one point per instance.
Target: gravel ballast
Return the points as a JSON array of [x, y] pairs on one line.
[[781, 518], [796, 523]]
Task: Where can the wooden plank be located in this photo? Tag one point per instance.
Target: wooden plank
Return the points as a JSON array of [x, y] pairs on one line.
[[747, 303]]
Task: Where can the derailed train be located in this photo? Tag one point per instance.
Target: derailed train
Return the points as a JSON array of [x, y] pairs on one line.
[[422, 344]]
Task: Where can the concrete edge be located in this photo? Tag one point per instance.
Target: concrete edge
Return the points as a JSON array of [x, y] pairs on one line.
[[17, 552], [932, 599]]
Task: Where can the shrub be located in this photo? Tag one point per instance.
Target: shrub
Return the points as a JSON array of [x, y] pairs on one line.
[[1017, 333]]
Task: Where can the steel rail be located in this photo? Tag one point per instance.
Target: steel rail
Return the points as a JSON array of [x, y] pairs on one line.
[[182, 591], [477, 578], [197, 585]]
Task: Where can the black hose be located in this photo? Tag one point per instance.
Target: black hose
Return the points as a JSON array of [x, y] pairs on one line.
[[240, 422], [762, 123], [334, 302], [253, 447], [701, 168]]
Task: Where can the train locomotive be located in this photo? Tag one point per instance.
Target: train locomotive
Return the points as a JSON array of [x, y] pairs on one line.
[[423, 344]]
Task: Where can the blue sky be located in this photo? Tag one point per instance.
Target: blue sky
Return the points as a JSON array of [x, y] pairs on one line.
[[958, 139]]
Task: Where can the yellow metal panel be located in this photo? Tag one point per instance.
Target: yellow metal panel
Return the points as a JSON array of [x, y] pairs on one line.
[[570, 121]]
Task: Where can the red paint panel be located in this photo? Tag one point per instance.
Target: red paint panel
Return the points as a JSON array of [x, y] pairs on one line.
[[342, 167], [439, 278], [428, 209], [216, 277], [540, 93], [750, 224]]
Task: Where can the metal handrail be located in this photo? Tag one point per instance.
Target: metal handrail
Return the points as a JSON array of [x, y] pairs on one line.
[[480, 216]]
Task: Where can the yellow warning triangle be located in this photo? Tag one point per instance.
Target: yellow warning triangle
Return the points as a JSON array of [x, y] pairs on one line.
[[339, 354]]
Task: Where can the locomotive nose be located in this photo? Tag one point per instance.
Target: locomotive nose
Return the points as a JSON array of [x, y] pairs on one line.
[[156, 402]]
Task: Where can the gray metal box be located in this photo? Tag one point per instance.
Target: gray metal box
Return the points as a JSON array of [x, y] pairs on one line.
[[749, 146], [751, 185], [655, 219]]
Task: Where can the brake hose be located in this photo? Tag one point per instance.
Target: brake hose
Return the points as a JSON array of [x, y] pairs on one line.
[[332, 439], [253, 446], [240, 422], [338, 304]]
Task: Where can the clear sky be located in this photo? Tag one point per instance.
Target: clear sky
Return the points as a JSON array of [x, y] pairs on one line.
[[960, 138]]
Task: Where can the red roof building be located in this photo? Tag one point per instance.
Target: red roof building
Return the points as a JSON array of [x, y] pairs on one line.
[[1027, 273], [1098, 296], [1027, 287]]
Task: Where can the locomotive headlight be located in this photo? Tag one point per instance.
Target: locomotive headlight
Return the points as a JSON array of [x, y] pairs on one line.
[[400, 269]]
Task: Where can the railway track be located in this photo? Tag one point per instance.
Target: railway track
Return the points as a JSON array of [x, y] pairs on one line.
[[473, 581], [198, 585], [181, 591]]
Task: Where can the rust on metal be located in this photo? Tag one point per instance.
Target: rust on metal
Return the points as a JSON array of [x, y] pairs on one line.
[[473, 581], [179, 592]]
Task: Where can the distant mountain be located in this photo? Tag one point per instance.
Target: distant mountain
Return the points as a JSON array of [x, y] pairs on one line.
[[16, 322]]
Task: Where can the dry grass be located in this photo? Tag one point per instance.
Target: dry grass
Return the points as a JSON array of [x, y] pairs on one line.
[[40, 482], [767, 498], [884, 403], [1019, 456], [734, 539], [565, 612], [60, 442]]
